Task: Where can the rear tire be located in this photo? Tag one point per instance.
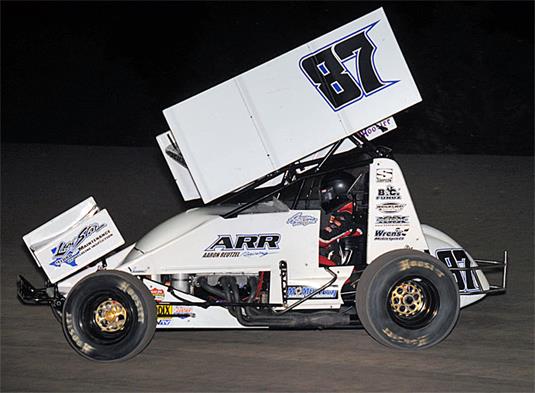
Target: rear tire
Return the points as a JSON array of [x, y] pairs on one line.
[[109, 316], [408, 299]]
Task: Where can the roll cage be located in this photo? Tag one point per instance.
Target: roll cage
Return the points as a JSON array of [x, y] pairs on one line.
[[299, 172]]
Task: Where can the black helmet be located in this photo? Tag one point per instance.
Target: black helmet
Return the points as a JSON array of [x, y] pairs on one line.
[[334, 190]]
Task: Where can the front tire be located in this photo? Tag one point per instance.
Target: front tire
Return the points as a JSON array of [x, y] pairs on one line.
[[109, 316], [408, 299]]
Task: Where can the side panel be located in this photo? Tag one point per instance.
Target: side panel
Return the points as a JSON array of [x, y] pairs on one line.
[[72, 240], [452, 254], [189, 316], [248, 244], [392, 219]]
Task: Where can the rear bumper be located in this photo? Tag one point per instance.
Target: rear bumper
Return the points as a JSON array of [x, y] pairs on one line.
[[28, 294]]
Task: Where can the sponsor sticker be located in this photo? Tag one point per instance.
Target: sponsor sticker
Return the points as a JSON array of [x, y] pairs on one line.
[[67, 252], [254, 253], [299, 292], [378, 129], [388, 193], [301, 219], [391, 234], [182, 312], [392, 220], [164, 309], [158, 294], [391, 207], [228, 246], [384, 175], [164, 321]]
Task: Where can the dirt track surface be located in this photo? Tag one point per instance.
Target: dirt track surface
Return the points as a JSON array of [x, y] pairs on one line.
[[485, 203]]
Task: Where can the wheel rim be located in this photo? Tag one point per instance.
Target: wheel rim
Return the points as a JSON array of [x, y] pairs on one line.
[[117, 326], [407, 299], [413, 302], [110, 316]]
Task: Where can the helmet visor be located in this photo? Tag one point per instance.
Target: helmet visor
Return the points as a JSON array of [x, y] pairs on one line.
[[327, 198]]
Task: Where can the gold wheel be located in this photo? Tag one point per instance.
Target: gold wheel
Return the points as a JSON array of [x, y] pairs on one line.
[[110, 316], [407, 299]]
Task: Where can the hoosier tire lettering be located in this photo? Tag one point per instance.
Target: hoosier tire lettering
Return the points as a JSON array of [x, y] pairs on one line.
[[407, 299]]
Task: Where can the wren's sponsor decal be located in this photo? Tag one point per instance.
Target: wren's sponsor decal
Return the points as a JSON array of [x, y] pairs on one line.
[[301, 219], [388, 193], [182, 312], [67, 252], [390, 207], [391, 234], [392, 220], [384, 175], [228, 246], [299, 292]]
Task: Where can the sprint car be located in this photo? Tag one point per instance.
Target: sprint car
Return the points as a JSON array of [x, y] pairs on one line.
[[249, 258]]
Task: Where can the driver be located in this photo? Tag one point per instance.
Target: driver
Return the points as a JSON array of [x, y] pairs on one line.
[[338, 204]]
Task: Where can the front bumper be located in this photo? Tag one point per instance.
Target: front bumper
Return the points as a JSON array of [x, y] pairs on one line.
[[499, 267]]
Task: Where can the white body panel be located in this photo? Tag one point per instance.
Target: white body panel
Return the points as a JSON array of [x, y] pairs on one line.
[[73, 240], [193, 242], [275, 114], [191, 316], [392, 219], [439, 241]]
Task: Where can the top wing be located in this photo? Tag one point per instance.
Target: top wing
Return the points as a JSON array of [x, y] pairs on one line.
[[290, 107]]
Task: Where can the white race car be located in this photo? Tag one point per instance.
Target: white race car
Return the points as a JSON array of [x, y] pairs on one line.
[[252, 256]]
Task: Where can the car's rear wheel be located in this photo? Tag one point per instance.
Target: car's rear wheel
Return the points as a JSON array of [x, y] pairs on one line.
[[407, 299], [109, 316]]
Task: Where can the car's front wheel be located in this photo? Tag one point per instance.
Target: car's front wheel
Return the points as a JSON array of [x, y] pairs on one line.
[[109, 316], [407, 299]]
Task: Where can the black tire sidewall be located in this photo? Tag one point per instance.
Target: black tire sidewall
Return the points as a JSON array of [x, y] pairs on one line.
[[141, 316], [372, 299]]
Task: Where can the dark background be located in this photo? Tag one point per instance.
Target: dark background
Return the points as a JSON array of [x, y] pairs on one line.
[[100, 73]]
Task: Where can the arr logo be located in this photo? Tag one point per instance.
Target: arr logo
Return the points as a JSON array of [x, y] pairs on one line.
[[344, 71], [260, 241]]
